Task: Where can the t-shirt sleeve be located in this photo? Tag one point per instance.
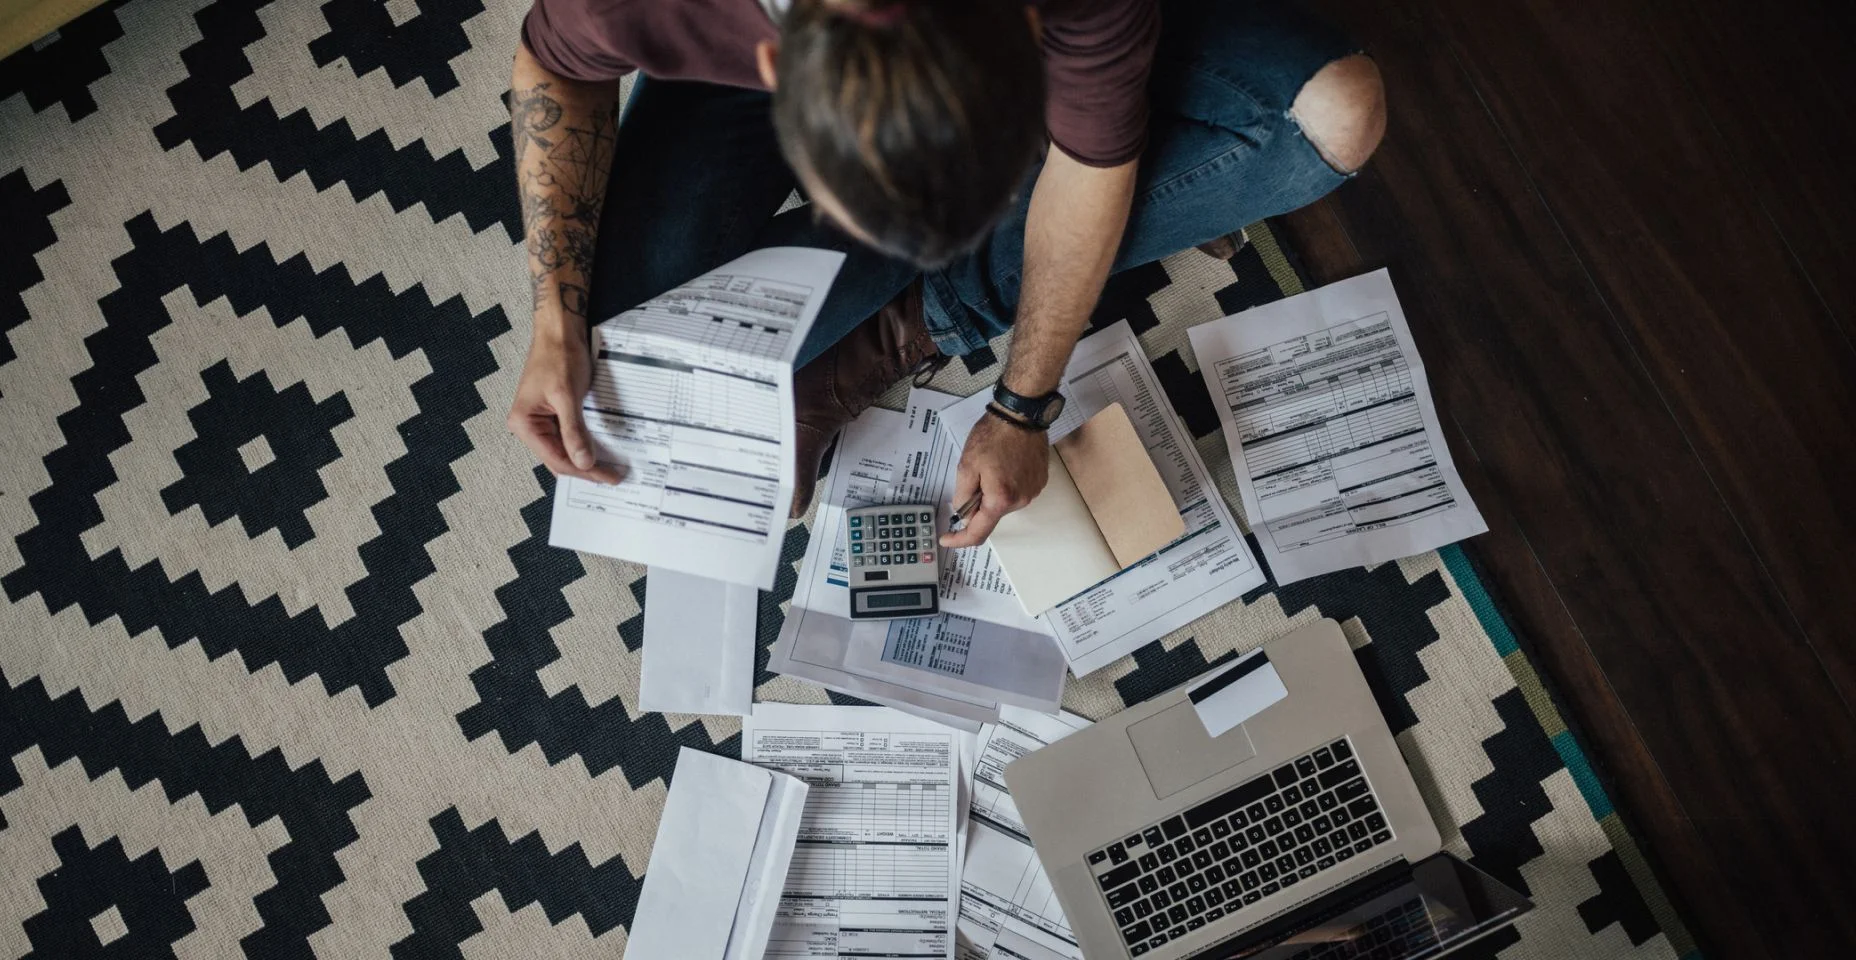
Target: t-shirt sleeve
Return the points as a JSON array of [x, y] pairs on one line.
[[1098, 54], [574, 38]]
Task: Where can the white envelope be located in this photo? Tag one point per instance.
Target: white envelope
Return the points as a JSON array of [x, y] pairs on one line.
[[719, 862], [698, 644]]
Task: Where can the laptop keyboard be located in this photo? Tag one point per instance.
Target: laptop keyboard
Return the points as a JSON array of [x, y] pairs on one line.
[[1264, 835]]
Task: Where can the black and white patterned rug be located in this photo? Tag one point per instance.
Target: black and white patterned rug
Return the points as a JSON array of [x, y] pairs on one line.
[[286, 666]]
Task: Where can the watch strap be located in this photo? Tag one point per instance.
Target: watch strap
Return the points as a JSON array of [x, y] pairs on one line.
[[1030, 408], [1030, 426]]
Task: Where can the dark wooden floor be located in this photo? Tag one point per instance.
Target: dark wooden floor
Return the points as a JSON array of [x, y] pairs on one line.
[[1622, 231]]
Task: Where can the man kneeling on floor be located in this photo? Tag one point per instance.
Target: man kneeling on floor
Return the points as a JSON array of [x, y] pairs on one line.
[[985, 165]]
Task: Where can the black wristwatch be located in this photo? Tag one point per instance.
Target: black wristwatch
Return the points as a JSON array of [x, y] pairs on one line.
[[1040, 412]]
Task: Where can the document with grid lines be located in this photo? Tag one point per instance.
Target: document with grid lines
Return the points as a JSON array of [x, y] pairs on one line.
[[692, 400], [876, 871], [1329, 420], [1008, 910]]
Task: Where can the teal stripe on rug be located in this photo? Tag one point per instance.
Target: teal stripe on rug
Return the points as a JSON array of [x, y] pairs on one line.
[[1574, 757], [1571, 754], [1471, 586]]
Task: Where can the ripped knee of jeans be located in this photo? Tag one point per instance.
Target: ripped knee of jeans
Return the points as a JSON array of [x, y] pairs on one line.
[[1341, 110]]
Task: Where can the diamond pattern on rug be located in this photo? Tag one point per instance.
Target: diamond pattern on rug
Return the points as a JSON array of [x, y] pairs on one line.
[[88, 895], [356, 652], [314, 811], [232, 465]]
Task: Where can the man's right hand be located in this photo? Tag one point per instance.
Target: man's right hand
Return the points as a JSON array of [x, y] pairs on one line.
[[546, 413]]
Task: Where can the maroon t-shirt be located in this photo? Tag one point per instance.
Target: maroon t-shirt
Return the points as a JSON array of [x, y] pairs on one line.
[[1097, 54]]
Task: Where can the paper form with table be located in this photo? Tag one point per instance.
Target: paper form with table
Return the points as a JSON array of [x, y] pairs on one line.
[[875, 869], [1208, 566], [1328, 415], [1006, 903], [692, 400]]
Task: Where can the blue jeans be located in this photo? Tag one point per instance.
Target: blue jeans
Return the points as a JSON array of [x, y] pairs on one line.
[[698, 177]]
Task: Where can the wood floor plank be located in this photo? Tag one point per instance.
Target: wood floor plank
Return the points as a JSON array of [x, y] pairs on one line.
[[1778, 80], [1737, 341], [1625, 520]]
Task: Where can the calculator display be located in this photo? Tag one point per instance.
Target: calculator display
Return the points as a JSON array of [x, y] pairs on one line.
[[887, 602]]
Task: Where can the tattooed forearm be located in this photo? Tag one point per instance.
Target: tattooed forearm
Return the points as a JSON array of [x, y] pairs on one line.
[[564, 134]]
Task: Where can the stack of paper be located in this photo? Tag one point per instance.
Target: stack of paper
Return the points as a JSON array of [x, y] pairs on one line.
[[950, 668], [909, 844], [875, 871], [692, 400], [902, 838], [1007, 907]]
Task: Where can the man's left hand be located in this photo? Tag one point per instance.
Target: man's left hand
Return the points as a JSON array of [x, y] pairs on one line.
[[1007, 466]]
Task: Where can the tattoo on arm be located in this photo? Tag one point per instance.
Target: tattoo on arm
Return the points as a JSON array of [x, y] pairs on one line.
[[563, 159], [573, 299], [534, 113]]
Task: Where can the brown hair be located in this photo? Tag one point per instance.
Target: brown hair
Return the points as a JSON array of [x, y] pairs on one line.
[[920, 117]]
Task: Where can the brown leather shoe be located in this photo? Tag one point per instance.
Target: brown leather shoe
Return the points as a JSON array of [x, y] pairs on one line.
[[1227, 246], [843, 381]]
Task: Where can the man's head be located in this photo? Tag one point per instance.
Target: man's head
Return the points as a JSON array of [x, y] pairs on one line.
[[910, 122]]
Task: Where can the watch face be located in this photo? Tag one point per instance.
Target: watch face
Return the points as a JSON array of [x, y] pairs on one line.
[[1053, 410]]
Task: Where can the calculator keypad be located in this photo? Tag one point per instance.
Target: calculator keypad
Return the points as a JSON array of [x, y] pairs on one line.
[[892, 538]]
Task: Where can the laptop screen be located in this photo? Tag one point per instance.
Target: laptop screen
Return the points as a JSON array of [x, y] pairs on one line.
[[1398, 912]]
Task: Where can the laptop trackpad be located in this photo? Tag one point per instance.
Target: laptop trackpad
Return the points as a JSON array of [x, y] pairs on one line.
[[1176, 752]]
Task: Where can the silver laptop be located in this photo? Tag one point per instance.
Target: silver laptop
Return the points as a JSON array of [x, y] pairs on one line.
[[1298, 833]]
